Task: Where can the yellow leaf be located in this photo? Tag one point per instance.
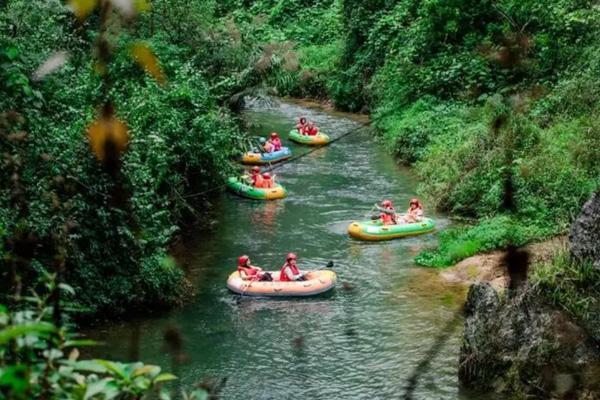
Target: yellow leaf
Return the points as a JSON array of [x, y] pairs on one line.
[[107, 132], [146, 59], [142, 5], [83, 8]]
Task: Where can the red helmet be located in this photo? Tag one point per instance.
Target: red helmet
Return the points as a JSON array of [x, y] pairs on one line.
[[274, 135], [291, 256], [415, 201], [256, 168], [386, 203], [242, 260], [267, 175]]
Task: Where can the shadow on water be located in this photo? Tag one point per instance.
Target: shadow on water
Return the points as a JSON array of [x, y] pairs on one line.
[[387, 330]]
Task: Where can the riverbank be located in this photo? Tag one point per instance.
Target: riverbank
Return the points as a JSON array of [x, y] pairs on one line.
[[540, 337], [491, 268]]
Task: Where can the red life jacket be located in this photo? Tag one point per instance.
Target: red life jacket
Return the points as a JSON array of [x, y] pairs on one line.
[[282, 275], [267, 183], [387, 219], [256, 180], [249, 271], [276, 144]]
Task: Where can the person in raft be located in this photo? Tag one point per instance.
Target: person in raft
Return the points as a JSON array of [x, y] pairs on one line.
[[301, 125], [276, 141], [311, 129], [414, 212], [269, 146], [388, 213], [290, 272], [254, 178], [268, 182], [249, 272]]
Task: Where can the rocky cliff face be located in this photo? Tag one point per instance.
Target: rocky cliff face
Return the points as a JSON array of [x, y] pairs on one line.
[[585, 232], [520, 346]]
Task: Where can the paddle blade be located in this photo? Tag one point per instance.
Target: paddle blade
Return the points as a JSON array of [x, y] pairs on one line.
[[329, 264]]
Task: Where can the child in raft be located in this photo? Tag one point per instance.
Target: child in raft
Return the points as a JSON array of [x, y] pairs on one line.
[[311, 129], [290, 272], [388, 213], [276, 141], [269, 146], [249, 272], [268, 182], [301, 125], [414, 212], [254, 178]]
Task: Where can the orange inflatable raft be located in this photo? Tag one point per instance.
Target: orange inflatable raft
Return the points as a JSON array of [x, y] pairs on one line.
[[317, 282]]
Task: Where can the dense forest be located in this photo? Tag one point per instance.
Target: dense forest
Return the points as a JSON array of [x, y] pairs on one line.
[[118, 118]]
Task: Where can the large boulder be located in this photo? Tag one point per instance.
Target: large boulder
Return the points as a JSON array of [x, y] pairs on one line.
[[585, 232], [519, 346]]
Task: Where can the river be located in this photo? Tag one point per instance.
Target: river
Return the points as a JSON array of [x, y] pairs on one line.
[[389, 329]]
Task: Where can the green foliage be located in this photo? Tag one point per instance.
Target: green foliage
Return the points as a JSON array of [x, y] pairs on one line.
[[39, 359], [458, 243], [572, 286], [115, 257]]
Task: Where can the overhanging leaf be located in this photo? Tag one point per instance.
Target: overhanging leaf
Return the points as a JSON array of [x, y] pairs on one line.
[[164, 377], [12, 332], [82, 8], [107, 131], [145, 57]]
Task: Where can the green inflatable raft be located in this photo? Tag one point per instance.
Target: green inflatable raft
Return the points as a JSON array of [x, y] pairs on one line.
[[317, 140], [241, 188], [376, 230]]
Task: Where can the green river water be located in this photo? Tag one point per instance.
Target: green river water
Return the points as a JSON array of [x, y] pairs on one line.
[[389, 330]]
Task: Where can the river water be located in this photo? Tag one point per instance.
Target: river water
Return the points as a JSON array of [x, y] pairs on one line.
[[389, 329]]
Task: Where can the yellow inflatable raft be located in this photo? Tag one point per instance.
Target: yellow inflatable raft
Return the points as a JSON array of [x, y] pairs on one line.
[[317, 282]]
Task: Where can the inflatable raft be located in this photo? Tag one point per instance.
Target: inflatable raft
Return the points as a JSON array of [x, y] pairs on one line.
[[317, 282], [375, 230], [317, 140], [252, 158], [239, 187]]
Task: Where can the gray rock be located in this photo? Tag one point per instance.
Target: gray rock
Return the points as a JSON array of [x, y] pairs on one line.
[[585, 232], [519, 346]]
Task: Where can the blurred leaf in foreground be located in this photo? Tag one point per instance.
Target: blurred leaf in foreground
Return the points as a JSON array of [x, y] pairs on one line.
[[52, 64], [145, 57], [82, 8], [108, 135]]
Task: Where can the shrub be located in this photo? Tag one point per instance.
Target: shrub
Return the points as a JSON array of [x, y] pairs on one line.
[[458, 243]]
